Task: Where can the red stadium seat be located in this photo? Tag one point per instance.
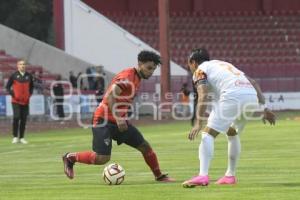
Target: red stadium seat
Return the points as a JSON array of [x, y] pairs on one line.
[[297, 84], [286, 84], [2, 52], [246, 38], [269, 85]]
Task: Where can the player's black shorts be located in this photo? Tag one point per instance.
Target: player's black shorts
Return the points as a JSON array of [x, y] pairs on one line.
[[102, 137], [20, 111]]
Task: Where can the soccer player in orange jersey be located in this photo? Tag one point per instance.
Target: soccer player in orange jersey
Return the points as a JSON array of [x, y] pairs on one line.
[[109, 120]]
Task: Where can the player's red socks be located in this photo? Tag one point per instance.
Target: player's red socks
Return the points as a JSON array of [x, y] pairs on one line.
[[87, 157], [152, 162]]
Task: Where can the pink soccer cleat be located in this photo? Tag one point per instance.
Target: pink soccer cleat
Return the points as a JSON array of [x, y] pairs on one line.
[[227, 180], [196, 181]]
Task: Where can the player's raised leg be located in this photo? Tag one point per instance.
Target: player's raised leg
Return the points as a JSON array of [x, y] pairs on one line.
[[99, 156], [86, 157]]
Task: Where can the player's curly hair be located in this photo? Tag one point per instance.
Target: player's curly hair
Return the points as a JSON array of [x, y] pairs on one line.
[[149, 56], [199, 55]]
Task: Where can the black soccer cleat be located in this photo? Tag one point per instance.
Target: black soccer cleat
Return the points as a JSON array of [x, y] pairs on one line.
[[164, 178], [68, 166]]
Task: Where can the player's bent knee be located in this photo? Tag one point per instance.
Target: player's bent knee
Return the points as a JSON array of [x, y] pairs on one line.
[[144, 147], [231, 132], [102, 159]]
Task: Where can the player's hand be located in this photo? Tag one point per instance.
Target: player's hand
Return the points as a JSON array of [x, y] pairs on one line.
[[194, 132], [122, 125], [269, 116]]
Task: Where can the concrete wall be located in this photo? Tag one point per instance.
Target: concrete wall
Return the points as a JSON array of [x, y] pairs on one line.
[[38, 53]]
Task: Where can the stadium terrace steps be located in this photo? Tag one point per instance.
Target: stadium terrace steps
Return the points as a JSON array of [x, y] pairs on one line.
[[266, 46]]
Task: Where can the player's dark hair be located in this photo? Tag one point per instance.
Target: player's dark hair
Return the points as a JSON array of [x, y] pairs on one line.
[[149, 56], [199, 55]]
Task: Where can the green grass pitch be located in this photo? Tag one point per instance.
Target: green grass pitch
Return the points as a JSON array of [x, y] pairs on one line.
[[269, 167]]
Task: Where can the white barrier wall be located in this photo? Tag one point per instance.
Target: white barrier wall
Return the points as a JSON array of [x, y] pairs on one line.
[[283, 101], [40, 105], [94, 38]]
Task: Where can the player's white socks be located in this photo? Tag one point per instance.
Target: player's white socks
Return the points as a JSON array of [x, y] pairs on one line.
[[234, 150], [206, 152]]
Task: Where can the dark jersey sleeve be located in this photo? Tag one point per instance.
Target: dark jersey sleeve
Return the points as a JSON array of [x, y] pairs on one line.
[[9, 85]]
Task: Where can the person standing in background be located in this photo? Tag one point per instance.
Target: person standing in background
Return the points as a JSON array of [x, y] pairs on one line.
[[185, 100], [100, 86], [58, 92], [20, 87], [73, 79]]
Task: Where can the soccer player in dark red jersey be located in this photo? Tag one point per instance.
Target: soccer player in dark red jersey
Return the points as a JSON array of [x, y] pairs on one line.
[[20, 87], [109, 120]]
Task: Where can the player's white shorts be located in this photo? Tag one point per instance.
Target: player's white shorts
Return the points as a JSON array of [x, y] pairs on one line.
[[233, 112]]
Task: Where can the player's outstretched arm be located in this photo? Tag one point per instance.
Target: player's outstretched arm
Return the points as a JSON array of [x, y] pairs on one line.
[[260, 96], [268, 114], [202, 92]]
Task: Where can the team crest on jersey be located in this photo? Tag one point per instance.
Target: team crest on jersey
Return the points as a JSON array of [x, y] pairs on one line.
[[107, 141], [124, 81]]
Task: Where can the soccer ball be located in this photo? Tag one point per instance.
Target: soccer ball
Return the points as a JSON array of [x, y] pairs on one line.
[[113, 174]]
